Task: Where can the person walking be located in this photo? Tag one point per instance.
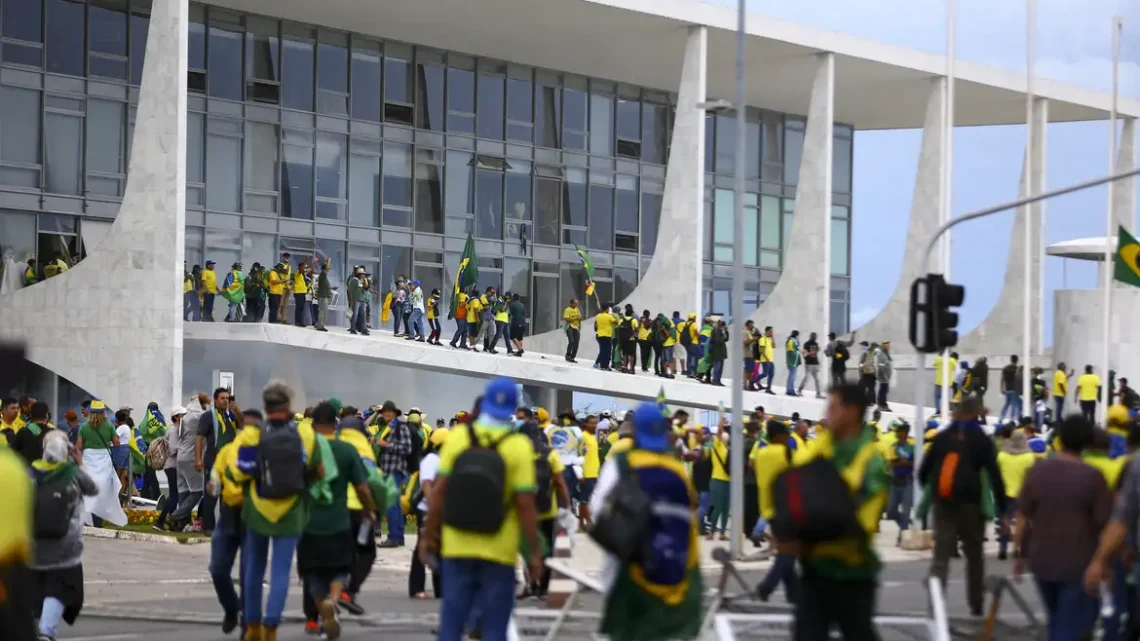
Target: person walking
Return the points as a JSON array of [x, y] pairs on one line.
[[1014, 460], [793, 358], [839, 353], [1088, 391], [229, 532], [190, 481], [768, 462], [1060, 391], [429, 470], [216, 427], [502, 316], [433, 317], [811, 366], [1011, 391], [867, 370], [459, 338], [358, 303], [396, 447], [645, 339], [720, 484], [417, 305], [604, 324], [900, 459], [884, 371], [324, 296], [170, 468], [516, 312], [191, 304], [209, 285], [766, 353], [718, 351]]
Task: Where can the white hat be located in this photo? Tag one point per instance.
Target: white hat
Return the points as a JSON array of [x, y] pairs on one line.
[[178, 411]]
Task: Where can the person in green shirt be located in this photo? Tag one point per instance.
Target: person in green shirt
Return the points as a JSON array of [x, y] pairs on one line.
[[516, 312], [325, 551], [358, 302]]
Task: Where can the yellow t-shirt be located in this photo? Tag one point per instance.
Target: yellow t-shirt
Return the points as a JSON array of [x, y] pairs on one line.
[[1087, 386], [605, 323], [801, 442], [766, 349], [573, 317], [1060, 384], [1110, 468], [938, 369], [720, 460], [622, 445], [15, 425], [669, 342], [642, 330], [474, 306], [300, 285], [518, 458], [887, 441], [591, 463], [276, 283], [15, 510], [1013, 468], [556, 469], [209, 281], [768, 463], [502, 316]]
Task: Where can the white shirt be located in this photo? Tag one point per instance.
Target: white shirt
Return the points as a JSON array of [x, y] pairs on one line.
[[124, 434], [608, 478], [429, 467]]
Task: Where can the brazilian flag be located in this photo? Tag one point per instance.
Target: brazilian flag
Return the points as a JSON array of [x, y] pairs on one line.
[[1127, 262], [466, 276]]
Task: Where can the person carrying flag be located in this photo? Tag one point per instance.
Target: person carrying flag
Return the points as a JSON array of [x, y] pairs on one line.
[[152, 427], [233, 290]]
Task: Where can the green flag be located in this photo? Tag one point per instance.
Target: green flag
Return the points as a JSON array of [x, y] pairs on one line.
[[587, 265], [466, 276], [1127, 269], [661, 402]]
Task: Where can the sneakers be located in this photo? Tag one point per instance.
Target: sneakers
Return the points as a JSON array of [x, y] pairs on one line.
[[329, 618], [349, 604], [312, 627], [389, 543], [230, 622]]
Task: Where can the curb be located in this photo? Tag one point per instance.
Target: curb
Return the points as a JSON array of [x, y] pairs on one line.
[[214, 618], [126, 535]]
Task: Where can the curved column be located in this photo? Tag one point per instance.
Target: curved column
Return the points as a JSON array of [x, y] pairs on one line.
[[892, 323], [674, 283], [801, 298], [113, 323]]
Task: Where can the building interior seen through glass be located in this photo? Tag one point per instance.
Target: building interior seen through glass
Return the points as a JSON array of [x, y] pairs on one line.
[[384, 154]]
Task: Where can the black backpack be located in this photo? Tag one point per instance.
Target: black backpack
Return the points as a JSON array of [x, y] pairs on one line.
[[476, 488], [813, 503], [686, 334], [417, 448], [622, 524], [958, 479], [543, 481], [841, 355], [280, 462], [625, 330], [54, 503]]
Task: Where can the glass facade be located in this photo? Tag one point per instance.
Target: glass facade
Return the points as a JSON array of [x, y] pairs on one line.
[[385, 154]]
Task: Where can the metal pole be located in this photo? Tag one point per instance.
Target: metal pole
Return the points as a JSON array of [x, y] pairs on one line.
[[1110, 218], [736, 345], [947, 211], [1028, 189], [920, 379]]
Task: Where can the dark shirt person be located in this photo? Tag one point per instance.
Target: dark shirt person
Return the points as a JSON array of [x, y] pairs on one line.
[[29, 442]]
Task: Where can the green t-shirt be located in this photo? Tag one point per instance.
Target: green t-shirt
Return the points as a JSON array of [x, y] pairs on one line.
[[97, 438], [517, 312], [333, 518]]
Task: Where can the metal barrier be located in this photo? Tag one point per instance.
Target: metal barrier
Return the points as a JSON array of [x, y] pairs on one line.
[[999, 586]]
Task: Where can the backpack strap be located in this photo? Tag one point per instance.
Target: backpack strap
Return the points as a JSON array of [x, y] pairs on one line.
[[855, 471]]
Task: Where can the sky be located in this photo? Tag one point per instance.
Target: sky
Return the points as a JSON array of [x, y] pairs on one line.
[[1073, 44]]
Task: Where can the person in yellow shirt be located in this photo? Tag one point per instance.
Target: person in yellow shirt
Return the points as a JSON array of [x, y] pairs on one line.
[[459, 339], [10, 419], [1014, 461], [900, 460], [572, 321], [209, 285], [558, 495], [938, 380], [277, 282], [479, 566], [765, 352], [769, 462], [604, 324], [1060, 391], [720, 483], [300, 294], [475, 306], [1088, 391], [591, 465]]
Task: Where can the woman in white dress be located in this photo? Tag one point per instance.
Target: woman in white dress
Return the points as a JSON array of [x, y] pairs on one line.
[[96, 438]]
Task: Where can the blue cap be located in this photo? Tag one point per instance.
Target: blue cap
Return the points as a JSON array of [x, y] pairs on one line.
[[500, 400], [650, 428]]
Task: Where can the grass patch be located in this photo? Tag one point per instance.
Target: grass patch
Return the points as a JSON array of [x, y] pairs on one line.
[[146, 528]]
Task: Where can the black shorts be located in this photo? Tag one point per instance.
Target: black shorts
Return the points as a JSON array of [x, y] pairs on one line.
[[517, 332]]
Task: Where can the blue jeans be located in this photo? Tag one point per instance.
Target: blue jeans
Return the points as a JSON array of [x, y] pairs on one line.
[[1059, 402], [472, 584], [360, 317], [1013, 404], [459, 338], [791, 380], [1072, 612], [758, 529], [208, 307], [395, 515], [937, 397], [235, 312], [605, 352], [749, 367], [223, 551], [416, 324], [191, 307], [1120, 602], [899, 503], [692, 358], [397, 317], [783, 570], [255, 556], [704, 501], [50, 616], [767, 371], [717, 369], [1004, 535]]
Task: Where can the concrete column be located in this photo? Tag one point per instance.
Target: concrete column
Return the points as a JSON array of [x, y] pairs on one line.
[[801, 298], [892, 322], [1124, 196]]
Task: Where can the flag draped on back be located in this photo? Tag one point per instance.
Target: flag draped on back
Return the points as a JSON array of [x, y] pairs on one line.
[[233, 288], [466, 276], [1127, 268], [587, 265]]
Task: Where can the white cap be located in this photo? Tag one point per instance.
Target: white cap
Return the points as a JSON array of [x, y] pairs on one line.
[[178, 411]]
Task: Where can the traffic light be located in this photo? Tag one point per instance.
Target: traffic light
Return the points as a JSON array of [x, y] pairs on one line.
[[933, 315]]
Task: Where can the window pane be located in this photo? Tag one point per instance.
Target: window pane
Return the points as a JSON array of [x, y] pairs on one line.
[[710, 141], [297, 175], [366, 85], [545, 308], [601, 125], [459, 183], [195, 147], [516, 279], [224, 247], [262, 48], [261, 248], [548, 204], [364, 194], [65, 37], [140, 24], [397, 175], [752, 150], [397, 81], [223, 172], [626, 207], [625, 281], [63, 153], [601, 217], [650, 218], [839, 247], [573, 285], [298, 76], [574, 204], [20, 125], [517, 201], [332, 67], [751, 235], [769, 222], [722, 225], [653, 130], [841, 165], [22, 20], [460, 100], [429, 107], [197, 44], [725, 144], [429, 198], [773, 139], [394, 261], [490, 109], [225, 73], [574, 119], [519, 100], [548, 116], [106, 135], [488, 204], [108, 27], [332, 166], [629, 119], [793, 151]]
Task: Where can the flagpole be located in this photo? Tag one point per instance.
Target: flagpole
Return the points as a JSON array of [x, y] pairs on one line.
[[735, 346], [1029, 188], [1110, 247], [947, 178]]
